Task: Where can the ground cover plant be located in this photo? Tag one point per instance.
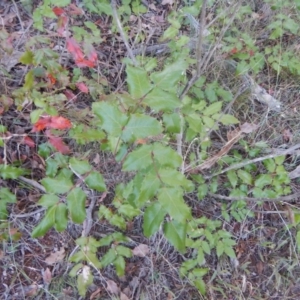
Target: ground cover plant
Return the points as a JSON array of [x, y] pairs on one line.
[[149, 149]]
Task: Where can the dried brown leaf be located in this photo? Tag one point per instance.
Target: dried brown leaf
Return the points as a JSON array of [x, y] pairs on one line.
[[112, 287], [248, 127], [123, 297], [55, 257], [287, 135], [47, 276], [141, 250]]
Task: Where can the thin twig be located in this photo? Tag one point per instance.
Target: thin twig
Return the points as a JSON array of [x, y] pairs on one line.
[[288, 198], [291, 150], [33, 183], [18, 15], [119, 25]]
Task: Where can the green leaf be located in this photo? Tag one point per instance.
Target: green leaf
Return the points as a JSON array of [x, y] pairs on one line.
[[61, 217], [160, 100], [172, 122], [129, 211], [57, 185], [46, 223], [201, 286], [118, 221], [138, 159], [172, 201], [124, 251], [228, 120], [141, 126], [202, 191], [263, 180], [84, 280], [175, 178], [29, 81], [245, 176], [138, 81], [168, 78], [6, 196], [220, 248], [27, 58], [232, 178], [10, 172], [119, 264], [80, 166], [229, 251], [153, 217], [213, 108], [95, 181], [108, 257], [112, 119], [48, 200], [298, 240], [76, 205], [175, 233], [270, 165], [166, 156], [279, 160], [205, 247]]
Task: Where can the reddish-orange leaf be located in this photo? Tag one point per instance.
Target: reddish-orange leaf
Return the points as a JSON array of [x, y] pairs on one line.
[[69, 94], [81, 86], [74, 48], [41, 124], [57, 143], [251, 52], [51, 79], [28, 141], [81, 63], [58, 11], [59, 123], [234, 50]]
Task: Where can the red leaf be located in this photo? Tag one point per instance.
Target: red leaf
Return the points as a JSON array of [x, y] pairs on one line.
[[41, 124], [51, 79], [51, 122], [58, 143], [81, 63], [28, 141], [234, 50], [59, 123], [70, 95], [74, 48], [81, 86], [58, 11]]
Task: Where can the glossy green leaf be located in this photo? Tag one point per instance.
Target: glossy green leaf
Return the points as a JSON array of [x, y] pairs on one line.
[[138, 159], [229, 251], [160, 100], [95, 181], [279, 160], [113, 120], [175, 232], [153, 217], [171, 74], [245, 176], [138, 81], [61, 217], [117, 221], [104, 212], [233, 179], [200, 285], [46, 223], [57, 185], [79, 166], [213, 108], [172, 201], [76, 205], [129, 211], [124, 251], [7, 196], [202, 191], [220, 248], [48, 200], [141, 126]]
